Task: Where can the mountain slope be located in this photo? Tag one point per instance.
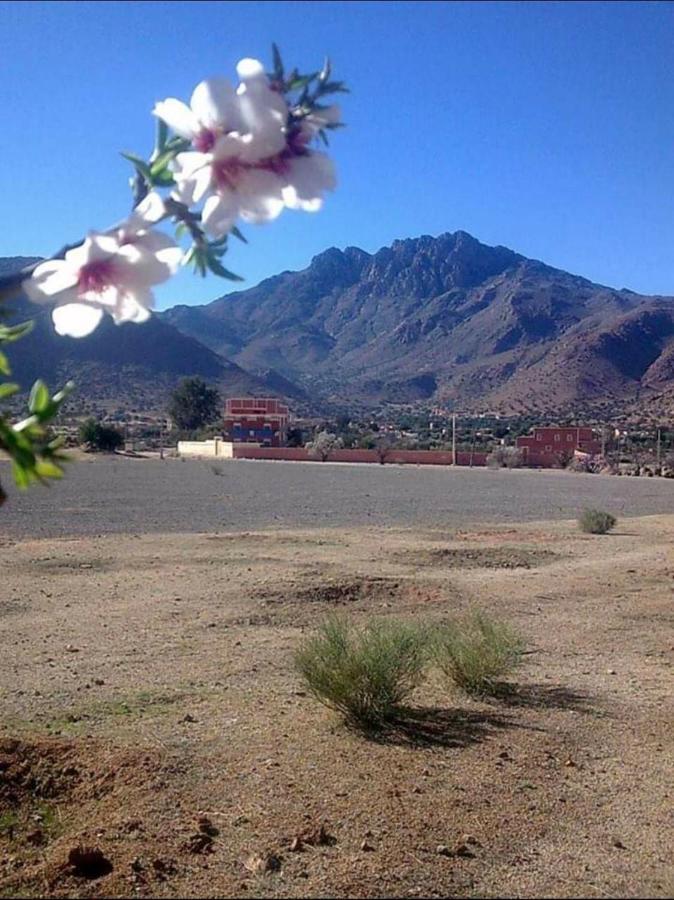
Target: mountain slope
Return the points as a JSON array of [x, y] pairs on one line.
[[122, 367], [446, 318]]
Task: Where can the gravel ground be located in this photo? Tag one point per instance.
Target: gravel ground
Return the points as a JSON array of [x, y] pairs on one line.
[[118, 495]]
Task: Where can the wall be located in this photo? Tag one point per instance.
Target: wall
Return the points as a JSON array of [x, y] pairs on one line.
[[409, 457], [209, 449]]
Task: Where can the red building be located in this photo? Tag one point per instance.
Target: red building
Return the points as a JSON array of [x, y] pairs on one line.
[[256, 420], [556, 446]]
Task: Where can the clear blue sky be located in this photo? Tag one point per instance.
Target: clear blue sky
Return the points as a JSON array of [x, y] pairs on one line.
[[546, 127]]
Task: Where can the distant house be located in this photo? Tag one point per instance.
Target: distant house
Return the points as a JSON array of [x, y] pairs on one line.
[[550, 446], [256, 420]]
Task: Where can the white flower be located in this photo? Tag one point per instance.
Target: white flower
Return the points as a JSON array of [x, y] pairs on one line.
[[213, 110], [306, 178], [247, 162], [109, 272]]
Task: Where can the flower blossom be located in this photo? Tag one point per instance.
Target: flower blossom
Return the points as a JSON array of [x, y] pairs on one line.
[[250, 158], [110, 272]]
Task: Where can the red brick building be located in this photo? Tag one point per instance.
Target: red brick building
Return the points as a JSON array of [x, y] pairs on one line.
[[556, 446], [256, 420]]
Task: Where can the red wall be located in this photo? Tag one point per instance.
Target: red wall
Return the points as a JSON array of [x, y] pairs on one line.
[[413, 457]]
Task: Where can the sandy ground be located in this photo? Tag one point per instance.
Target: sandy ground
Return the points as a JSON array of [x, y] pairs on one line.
[[151, 710]]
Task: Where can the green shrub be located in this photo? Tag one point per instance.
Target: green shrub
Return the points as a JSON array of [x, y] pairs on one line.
[[594, 521], [365, 674], [100, 437], [476, 652]]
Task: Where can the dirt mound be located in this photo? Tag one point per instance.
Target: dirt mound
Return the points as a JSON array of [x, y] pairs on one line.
[[335, 591], [479, 557], [54, 797]]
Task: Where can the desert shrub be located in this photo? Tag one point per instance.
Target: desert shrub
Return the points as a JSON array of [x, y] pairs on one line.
[[365, 674], [505, 458], [595, 521], [99, 437], [476, 652]]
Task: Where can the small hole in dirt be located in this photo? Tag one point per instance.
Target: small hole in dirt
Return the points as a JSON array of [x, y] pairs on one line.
[[89, 862]]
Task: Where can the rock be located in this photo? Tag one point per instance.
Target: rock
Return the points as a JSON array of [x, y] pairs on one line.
[[462, 849], [89, 862], [188, 718], [471, 840], [443, 850], [199, 843], [70, 648], [262, 864], [296, 845], [207, 827], [366, 846], [619, 844]]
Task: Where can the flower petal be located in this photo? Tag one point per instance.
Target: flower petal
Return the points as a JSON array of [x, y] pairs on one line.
[[177, 116], [259, 193], [50, 278], [76, 319], [219, 213], [215, 105], [264, 113], [96, 246], [133, 307], [308, 178]]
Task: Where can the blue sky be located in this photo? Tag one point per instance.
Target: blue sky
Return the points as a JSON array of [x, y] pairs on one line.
[[546, 127]]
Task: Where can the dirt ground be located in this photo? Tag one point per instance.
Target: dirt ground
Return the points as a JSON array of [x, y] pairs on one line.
[[151, 712]]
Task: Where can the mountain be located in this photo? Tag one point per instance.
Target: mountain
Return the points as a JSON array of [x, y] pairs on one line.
[[122, 367], [447, 319]]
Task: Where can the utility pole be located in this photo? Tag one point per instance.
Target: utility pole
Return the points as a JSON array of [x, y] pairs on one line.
[[453, 439], [603, 441], [659, 453]]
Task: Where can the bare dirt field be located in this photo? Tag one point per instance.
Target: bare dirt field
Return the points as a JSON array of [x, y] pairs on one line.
[[151, 709]]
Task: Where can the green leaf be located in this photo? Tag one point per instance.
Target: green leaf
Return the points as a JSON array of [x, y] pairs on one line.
[[140, 165], [6, 390], [278, 63], [218, 269], [160, 136], [22, 475], [325, 71], [40, 399], [237, 234], [10, 333], [47, 469], [4, 365]]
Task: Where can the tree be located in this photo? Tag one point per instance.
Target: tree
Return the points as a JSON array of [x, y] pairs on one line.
[[323, 445], [194, 404], [100, 437]]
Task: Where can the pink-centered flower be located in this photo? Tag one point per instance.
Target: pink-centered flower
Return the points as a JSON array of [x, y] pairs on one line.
[[109, 272], [253, 164]]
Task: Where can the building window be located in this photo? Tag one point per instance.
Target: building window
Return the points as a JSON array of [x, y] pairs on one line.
[[569, 437], [548, 447], [539, 437], [558, 437]]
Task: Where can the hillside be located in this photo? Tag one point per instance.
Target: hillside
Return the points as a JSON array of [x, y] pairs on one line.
[[448, 319], [122, 367]]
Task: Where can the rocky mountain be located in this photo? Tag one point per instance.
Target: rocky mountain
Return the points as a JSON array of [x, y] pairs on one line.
[[432, 320], [447, 319], [123, 367]]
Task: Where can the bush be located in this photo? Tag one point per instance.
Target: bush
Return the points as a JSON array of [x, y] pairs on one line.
[[594, 521], [364, 674], [505, 458], [475, 652], [99, 437]]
